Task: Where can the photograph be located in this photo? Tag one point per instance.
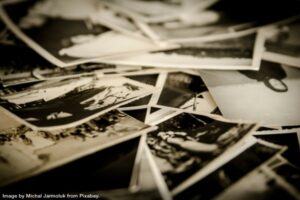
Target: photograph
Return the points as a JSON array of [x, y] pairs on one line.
[[289, 138], [98, 171], [259, 184], [64, 103], [274, 89], [283, 43], [100, 133], [242, 51], [186, 143], [247, 158], [221, 19], [62, 32], [184, 91]]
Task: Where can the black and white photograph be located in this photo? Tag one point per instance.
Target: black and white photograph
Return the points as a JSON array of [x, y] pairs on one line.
[[107, 170], [259, 184], [63, 33], [283, 43], [248, 158], [56, 104], [242, 51], [221, 19], [289, 138], [186, 143], [185, 91], [269, 96], [53, 149]]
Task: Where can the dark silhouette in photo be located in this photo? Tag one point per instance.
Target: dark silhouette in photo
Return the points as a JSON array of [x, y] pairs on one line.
[[271, 74]]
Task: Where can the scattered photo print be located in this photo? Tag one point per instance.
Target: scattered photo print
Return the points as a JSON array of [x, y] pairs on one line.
[[274, 89], [98, 171], [63, 103], [222, 178], [63, 33], [55, 148], [289, 138], [186, 143], [283, 43], [186, 91], [259, 184], [242, 51]]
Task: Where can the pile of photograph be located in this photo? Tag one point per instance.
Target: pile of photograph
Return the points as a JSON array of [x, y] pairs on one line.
[[149, 99]]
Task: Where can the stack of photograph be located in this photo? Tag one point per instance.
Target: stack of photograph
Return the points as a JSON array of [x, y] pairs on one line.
[[149, 99]]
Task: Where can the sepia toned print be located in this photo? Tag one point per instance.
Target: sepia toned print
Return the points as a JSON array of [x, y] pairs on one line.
[[187, 143], [185, 91], [248, 158], [273, 89], [57, 104], [73, 143], [88, 170], [261, 183]]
